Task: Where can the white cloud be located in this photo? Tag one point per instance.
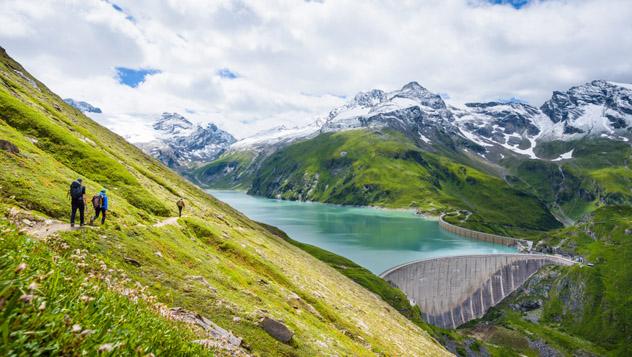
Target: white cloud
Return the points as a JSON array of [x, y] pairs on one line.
[[294, 58]]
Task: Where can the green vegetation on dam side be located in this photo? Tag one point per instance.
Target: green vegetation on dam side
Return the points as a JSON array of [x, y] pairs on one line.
[[136, 287]]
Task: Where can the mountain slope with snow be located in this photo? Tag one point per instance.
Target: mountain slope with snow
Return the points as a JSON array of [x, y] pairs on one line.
[[180, 144], [84, 107], [278, 136]]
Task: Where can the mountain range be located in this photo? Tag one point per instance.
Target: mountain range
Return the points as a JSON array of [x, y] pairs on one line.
[[486, 133], [595, 109], [563, 154]]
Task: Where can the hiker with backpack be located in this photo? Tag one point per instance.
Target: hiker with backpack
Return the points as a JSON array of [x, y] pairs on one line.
[[100, 204], [180, 205], [77, 201]]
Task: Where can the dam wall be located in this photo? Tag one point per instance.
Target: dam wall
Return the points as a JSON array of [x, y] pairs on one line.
[[486, 237], [453, 290]]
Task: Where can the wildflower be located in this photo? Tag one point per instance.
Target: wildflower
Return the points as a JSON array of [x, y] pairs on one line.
[[87, 332], [42, 306], [27, 298], [86, 298], [76, 328], [20, 267], [33, 286], [106, 347]]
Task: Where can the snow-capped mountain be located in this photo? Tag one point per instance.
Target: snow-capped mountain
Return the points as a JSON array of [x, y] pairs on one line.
[[179, 143], [85, 107], [410, 109], [279, 135], [595, 108]]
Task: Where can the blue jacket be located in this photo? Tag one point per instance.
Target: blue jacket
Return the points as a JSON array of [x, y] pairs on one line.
[[104, 205]]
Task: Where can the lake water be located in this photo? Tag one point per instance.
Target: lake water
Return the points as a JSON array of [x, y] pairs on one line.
[[374, 238]]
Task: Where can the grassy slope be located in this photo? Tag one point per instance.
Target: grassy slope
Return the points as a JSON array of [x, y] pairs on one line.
[[383, 168], [578, 303], [252, 272], [63, 298], [231, 171], [597, 175]]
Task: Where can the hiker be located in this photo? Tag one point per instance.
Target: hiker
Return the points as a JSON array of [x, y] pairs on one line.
[[100, 204], [180, 204], [77, 201]]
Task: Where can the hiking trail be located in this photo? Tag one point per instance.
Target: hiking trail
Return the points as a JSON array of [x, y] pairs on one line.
[[167, 222], [47, 228]]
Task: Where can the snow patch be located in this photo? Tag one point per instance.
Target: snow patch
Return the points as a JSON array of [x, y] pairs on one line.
[[622, 85], [425, 139], [565, 156]]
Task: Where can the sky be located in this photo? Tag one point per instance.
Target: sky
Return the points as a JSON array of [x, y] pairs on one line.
[[253, 65]]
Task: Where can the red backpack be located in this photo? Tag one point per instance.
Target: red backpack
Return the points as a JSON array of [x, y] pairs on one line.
[[97, 201]]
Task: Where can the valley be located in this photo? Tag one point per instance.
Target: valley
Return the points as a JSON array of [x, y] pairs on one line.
[[558, 178], [561, 181], [134, 287]]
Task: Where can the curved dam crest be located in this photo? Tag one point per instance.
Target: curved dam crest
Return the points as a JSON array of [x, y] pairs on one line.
[[454, 290]]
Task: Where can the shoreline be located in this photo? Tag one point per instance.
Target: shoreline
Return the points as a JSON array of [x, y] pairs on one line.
[[411, 210], [392, 209], [520, 245]]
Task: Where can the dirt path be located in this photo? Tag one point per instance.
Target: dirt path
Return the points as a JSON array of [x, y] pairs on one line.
[[48, 227], [167, 222]]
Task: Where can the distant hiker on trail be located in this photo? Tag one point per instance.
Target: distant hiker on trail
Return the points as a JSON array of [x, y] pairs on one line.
[[180, 204], [77, 201], [100, 204]]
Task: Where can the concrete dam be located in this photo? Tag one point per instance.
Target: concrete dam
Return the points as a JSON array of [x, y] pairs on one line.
[[453, 290]]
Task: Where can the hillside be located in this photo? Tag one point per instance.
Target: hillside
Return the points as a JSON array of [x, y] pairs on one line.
[[233, 170], [118, 287], [384, 168], [598, 174]]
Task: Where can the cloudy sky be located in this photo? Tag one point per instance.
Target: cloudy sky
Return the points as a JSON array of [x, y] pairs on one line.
[[252, 65]]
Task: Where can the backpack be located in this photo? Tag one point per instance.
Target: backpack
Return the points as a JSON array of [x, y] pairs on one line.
[[76, 190], [97, 201]]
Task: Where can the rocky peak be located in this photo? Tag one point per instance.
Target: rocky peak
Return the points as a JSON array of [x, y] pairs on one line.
[[413, 86], [416, 92], [172, 123], [370, 98], [569, 105], [180, 143]]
